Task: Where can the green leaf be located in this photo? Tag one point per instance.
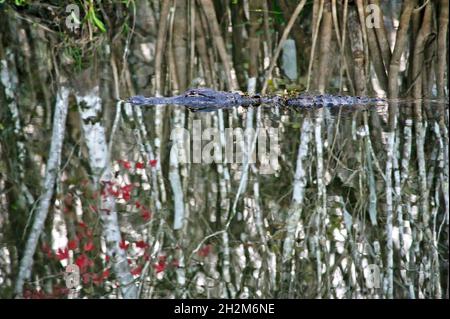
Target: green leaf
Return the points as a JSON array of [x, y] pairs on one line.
[[99, 24], [96, 20]]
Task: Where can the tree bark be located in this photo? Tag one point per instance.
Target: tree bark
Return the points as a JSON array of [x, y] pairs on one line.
[[54, 161], [90, 108]]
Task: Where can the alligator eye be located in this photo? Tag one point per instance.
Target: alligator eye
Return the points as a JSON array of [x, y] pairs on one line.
[[196, 94], [192, 93]]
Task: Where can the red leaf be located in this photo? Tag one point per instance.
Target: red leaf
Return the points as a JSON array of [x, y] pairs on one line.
[[113, 192], [83, 262], [126, 196], [203, 252], [139, 165], [141, 244], [153, 163], [127, 188], [105, 273], [136, 271], [89, 246], [72, 245], [93, 208], [82, 225], [97, 279], [123, 245], [146, 214], [62, 254], [160, 267], [175, 263], [107, 258], [126, 164], [138, 204]]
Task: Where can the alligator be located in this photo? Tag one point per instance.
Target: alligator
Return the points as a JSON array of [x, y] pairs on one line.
[[206, 99]]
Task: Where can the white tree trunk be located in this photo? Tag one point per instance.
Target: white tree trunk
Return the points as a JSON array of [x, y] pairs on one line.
[[89, 105], [8, 78], [54, 160]]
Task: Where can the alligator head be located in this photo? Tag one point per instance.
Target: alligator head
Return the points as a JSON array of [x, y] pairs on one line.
[[201, 98]]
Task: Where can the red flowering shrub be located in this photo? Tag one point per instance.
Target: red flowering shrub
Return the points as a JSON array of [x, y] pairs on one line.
[[84, 245]]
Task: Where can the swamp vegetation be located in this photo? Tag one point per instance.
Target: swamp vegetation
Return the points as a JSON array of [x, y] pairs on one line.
[[348, 202]]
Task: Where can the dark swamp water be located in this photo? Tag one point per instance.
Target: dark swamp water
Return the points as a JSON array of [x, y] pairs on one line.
[[100, 198]]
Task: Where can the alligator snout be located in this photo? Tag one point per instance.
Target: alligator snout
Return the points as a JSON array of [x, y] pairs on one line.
[[137, 100]]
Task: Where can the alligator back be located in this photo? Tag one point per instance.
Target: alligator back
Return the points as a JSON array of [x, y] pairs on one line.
[[328, 100]]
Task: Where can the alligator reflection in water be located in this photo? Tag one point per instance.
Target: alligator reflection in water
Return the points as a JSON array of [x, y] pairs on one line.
[[205, 99]]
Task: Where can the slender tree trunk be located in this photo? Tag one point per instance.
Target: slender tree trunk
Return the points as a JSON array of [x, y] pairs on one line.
[[89, 105], [54, 161]]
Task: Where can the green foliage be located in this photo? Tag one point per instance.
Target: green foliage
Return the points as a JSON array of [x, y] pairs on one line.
[[93, 19], [17, 2], [277, 13], [76, 54]]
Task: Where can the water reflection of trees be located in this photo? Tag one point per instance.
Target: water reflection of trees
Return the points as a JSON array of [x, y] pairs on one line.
[[356, 190]]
